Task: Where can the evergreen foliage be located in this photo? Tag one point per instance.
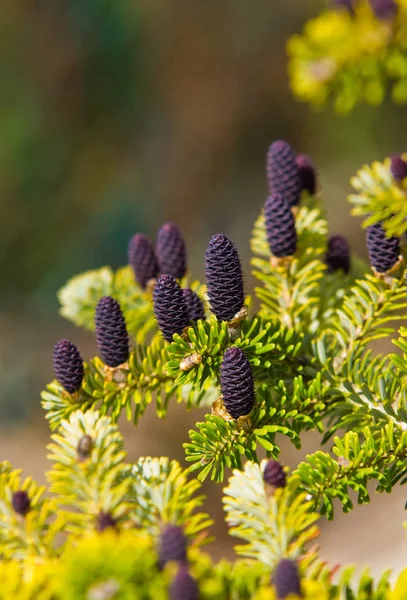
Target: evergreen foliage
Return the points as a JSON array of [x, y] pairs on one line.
[[296, 357]]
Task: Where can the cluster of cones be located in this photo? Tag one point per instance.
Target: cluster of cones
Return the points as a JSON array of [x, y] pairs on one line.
[[162, 268]]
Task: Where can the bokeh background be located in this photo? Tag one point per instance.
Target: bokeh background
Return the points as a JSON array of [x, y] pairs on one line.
[[117, 116]]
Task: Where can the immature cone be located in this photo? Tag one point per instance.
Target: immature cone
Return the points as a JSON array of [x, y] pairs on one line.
[[21, 502], [383, 251], [84, 447], [194, 304], [111, 332], [172, 545], [384, 9], [68, 366], [280, 226], [286, 579], [142, 259], [274, 474], [282, 172], [184, 586], [170, 308], [171, 253], [224, 278], [104, 520], [236, 383], [338, 254], [398, 168], [307, 173]]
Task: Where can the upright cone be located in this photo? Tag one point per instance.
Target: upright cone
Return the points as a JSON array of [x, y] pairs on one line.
[[236, 383], [282, 172], [111, 332], [170, 308], [224, 278], [171, 252], [68, 366], [142, 259]]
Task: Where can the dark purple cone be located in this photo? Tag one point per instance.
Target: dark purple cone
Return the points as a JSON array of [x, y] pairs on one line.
[[84, 447], [236, 383], [280, 226], [274, 475], [194, 304], [384, 9], [170, 308], [307, 173], [224, 278], [104, 520], [68, 366], [282, 172], [171, 253], [398, 168], [21, 502], [286, 579], [111, 332], [383, 251], [338, 254], [184, 586], [142, 259], [349, 4], [172, 545]]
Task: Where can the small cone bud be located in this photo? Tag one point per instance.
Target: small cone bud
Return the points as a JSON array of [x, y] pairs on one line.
[[338, 254], [286, 579], [21, 502], [172, 545]]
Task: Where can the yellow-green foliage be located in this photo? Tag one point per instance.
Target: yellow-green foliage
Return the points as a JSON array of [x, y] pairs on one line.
[[350, 58], [379, 197]]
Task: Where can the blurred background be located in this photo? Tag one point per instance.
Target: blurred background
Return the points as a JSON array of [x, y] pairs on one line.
[[117, 116]]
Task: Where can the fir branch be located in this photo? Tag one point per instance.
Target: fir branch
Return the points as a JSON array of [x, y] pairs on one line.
[[164, 495], [273, 527], [380, 198], [382, 455], [91, 485], [291, 289]]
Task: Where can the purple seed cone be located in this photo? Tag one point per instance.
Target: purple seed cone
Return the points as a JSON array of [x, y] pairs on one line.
[[338, 254], [111, 332], [349, 4], [184, 586], [383, 251], [172, 545], [195, 306], [171, 253], [104, 521], [274, 475], [224, 278], [398, 168], [307, 173], [236, 383], [21, 502], [384, 9], [282, 172], [142, 259], [280, 226], [170, 308], [286, 579], [68, 366]]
